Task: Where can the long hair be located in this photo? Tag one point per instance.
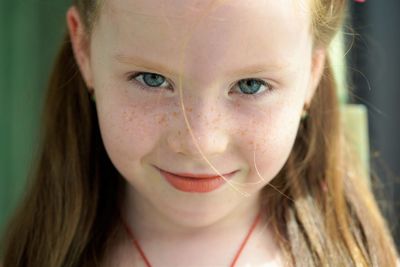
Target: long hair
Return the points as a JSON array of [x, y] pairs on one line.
[[327, 215], [66, 212]]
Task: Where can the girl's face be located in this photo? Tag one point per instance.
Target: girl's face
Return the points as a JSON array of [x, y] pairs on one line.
[[246, 69]]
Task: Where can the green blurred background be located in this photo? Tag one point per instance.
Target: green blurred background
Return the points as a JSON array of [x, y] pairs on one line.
[[30, 31]]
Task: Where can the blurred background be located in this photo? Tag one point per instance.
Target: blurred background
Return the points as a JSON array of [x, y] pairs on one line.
[[30, 34]]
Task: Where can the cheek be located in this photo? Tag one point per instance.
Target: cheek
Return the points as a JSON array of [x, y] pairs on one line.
[[268, 141], [129, 133]]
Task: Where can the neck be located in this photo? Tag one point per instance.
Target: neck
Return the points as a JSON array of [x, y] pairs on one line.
[[165, 240]]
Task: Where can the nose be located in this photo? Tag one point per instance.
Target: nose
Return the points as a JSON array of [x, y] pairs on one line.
[[201, 131]]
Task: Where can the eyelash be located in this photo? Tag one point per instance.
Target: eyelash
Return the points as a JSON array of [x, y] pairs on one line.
[[133, 76]]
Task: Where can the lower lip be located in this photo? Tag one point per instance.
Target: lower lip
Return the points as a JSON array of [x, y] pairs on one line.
[[195, 185]]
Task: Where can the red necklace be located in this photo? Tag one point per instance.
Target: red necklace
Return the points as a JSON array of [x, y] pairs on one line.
[[136, 243]]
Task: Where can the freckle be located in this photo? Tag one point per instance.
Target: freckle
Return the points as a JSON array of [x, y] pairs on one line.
[[189, 109], [175, 114], [162, 120], [128, 116]]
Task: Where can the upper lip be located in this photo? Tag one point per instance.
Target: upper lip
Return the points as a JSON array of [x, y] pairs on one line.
[[195, 175]]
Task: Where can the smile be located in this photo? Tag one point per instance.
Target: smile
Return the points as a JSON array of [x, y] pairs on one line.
[[195, 183]]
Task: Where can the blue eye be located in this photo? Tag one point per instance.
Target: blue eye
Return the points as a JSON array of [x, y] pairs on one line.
[[153, 80], [252, 86], [147, 79]]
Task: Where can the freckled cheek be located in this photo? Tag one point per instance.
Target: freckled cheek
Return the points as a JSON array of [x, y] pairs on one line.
[[129, 135], [267, 144]]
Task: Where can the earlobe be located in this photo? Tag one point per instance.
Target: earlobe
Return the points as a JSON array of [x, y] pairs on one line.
[[79, 44], [317, 70]]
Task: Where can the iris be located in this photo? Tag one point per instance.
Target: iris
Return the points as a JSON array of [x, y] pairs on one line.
[[250, 86], [153, 80]]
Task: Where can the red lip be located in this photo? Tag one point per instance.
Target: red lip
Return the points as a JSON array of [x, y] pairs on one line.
[[195, 183]]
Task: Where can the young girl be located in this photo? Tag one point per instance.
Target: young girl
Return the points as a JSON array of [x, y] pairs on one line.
[[197, 133]]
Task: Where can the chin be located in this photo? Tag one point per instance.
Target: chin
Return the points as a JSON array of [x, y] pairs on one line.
[[196, 218]]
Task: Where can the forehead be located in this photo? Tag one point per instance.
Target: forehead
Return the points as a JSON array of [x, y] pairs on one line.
[[206, 29], [181, 15], [186, 9]]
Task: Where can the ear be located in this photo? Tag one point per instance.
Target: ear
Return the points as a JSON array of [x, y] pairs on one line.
[[80, 44], [317, 69]]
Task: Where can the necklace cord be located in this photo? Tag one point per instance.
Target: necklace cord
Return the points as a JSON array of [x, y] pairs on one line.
[[246, 239], [136, 243]]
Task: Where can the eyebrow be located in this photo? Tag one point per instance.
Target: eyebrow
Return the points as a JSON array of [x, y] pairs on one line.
[[147, 64]]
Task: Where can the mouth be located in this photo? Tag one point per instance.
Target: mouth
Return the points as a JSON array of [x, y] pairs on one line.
[[195, 183]]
